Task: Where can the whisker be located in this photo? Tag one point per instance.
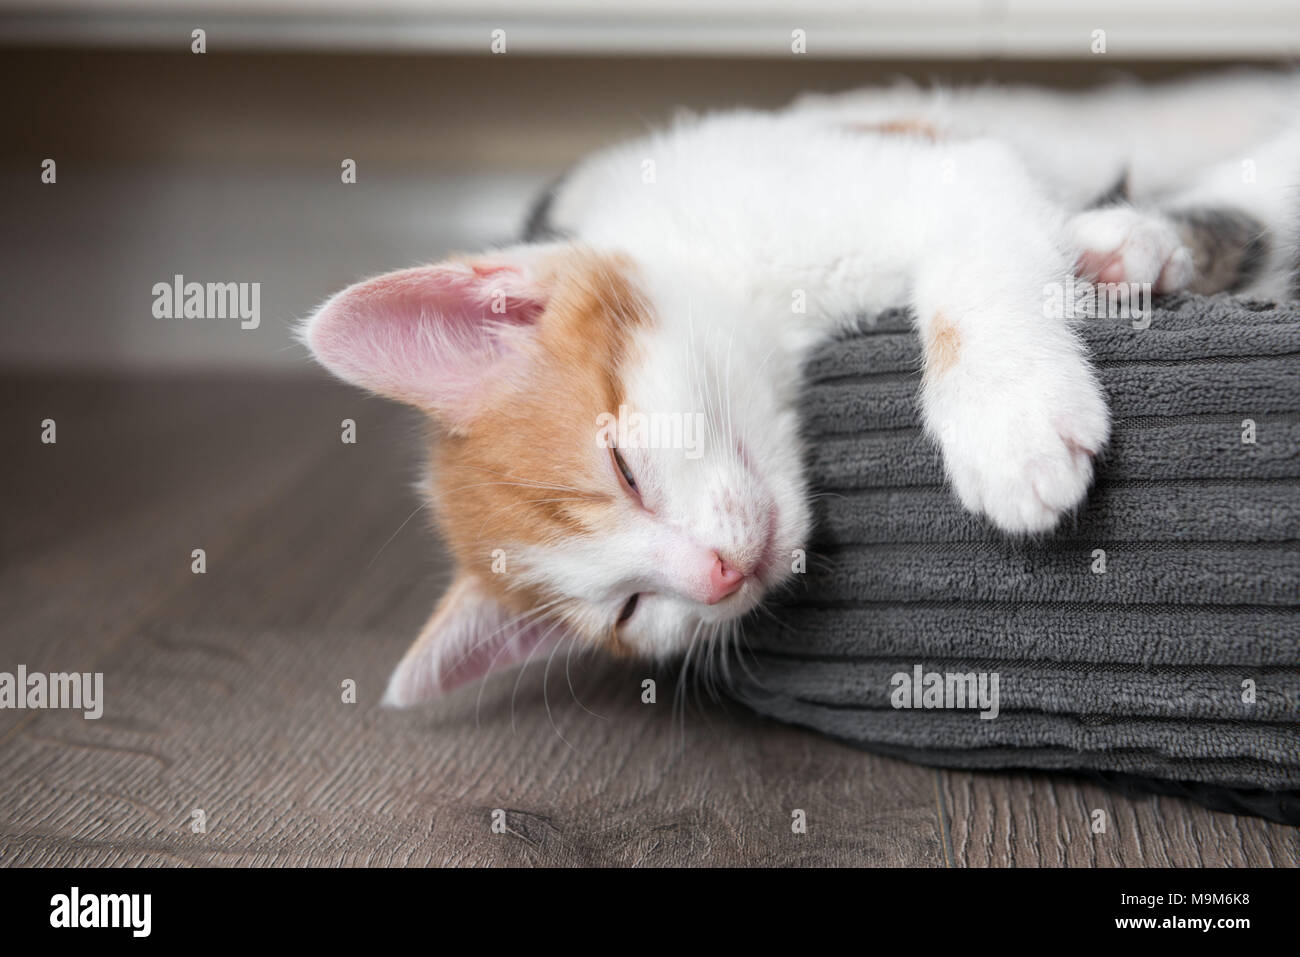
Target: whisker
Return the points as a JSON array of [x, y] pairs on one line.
[[528, 501], [569, 679], [528, 659], [743, 648], [532, 614], [418, 509], [749, 393], [558, 486], [546, 691], [541, 487]]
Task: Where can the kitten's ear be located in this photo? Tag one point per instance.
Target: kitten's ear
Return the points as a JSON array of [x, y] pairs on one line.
[[438, 337], [470, 636]]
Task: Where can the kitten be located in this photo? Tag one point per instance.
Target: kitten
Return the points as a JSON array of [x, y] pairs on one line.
[[685, 275]]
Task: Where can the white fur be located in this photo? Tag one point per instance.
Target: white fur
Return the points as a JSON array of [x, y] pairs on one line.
[[734, 218], [754, 236]]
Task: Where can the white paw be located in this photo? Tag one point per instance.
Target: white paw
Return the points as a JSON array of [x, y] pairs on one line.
[[1122, 244], [1021, 452]]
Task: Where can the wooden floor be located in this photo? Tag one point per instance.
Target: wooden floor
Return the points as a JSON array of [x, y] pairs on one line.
[[223, 690]]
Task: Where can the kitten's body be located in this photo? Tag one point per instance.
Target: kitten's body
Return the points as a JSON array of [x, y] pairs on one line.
[[689, 272]]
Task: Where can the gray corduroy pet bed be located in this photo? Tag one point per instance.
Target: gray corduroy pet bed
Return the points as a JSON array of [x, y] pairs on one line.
[[1139, 670]]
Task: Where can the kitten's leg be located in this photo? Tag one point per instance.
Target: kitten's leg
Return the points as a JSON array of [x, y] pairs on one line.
[[1197, 248], [1241, 219], [1121, 243], [1234, 229], [1007, 388]]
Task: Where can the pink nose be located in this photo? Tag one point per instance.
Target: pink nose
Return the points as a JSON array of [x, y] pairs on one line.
[[723, 580]]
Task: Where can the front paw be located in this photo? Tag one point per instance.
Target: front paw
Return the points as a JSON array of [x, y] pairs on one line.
[[1122, 244], [1022, 453]]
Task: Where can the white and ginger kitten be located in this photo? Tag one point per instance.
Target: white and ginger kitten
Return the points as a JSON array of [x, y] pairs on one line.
[[688, 273]]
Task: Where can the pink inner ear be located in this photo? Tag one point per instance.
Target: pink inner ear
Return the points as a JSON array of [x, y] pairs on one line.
[[495, 652], [434, 336], [469, 637]]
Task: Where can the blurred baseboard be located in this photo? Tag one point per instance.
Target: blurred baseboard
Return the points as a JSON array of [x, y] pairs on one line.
[[771, 28]]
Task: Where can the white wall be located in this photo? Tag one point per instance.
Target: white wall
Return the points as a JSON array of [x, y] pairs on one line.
[[225, 167]]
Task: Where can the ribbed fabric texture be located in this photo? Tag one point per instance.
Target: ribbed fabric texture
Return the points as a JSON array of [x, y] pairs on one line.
[[1140, 669]]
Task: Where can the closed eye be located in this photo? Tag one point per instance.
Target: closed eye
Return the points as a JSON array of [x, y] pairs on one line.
[[629, 609], [624, 473]]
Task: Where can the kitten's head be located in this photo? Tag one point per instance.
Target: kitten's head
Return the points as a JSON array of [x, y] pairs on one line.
[[614, 465]]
